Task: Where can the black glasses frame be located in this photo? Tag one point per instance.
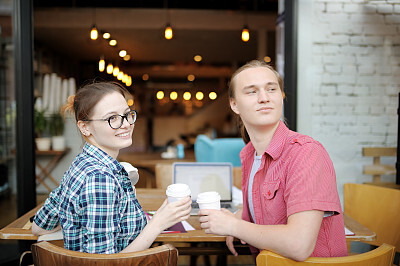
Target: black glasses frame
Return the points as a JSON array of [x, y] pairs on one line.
[[122, 119]]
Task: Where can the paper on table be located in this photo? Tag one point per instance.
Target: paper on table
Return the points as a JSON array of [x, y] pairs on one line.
[[57, 235], [347, 232]]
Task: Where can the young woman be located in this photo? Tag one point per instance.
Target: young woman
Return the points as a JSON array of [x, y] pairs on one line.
[[95, 204], [290, 200]]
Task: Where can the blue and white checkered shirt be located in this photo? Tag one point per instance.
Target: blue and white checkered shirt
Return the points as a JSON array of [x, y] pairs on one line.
[[95, 205]]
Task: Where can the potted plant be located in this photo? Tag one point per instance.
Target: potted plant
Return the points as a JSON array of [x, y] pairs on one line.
[[57, 131], [43, 141]]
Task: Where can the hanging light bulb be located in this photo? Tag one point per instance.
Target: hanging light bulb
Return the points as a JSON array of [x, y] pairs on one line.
[[122, 53], [115, 71], [245, 33], [168, 32], [106, 35], [102, 64], [129, 81], [120, 75], [160, 95], [94, 33], [109, 68], [113, 42]]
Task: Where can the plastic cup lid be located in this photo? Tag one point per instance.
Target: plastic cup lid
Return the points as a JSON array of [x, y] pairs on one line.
[[209, 196], [178, 190]]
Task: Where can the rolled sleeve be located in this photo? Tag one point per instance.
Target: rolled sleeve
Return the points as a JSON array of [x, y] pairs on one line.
[[48, 216], [312, 182]]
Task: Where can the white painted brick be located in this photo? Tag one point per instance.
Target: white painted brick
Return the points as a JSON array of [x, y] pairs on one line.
[[376, 29], [396, 9], [334, 17], [392, 19], [391, 110], [376, 110], [366, 18], [334, 7], [333, 69], [384, 70], [369, 9], [328, 89], [393, 90], [352, 8], [329, 109], [345, 89], [385, 9], [361, 90], [366, 69], [349, 68], [361, 110], [345, 110], [319, 8]]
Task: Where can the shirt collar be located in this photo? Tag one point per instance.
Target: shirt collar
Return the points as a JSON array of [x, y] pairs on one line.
[[276, 145], [102, 157]]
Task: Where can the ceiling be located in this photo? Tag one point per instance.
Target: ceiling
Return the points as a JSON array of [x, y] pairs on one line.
[[211, 29]]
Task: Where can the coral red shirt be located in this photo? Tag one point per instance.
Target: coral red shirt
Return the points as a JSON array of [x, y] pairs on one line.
[[296, 174]]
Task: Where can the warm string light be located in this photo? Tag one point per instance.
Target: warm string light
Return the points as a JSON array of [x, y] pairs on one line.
[[168, 33], [94, 34], [245, 33], [102, 64]]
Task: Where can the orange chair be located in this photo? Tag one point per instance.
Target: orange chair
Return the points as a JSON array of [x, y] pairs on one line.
[[381, 256], [47, 254]]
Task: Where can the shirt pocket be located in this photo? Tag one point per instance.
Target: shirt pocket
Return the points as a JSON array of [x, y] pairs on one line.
[[274, 207], [269, 189]]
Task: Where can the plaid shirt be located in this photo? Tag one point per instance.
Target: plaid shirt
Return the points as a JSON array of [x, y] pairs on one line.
[[95, 205]]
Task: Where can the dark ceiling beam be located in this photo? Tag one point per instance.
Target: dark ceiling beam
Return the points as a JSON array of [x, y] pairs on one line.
[[129, 18]]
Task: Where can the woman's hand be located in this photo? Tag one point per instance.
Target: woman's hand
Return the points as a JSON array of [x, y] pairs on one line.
[[171, 213]]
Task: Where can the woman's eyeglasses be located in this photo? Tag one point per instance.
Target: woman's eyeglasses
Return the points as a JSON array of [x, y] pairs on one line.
[[116, 121]]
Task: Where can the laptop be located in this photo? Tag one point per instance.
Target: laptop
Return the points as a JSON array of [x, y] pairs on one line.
[[202, 177]]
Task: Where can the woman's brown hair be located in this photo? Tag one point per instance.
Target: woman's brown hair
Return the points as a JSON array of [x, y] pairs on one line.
[[82, 103], [231, 89]]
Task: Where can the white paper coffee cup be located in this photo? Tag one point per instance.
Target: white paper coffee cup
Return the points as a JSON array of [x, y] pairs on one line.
[[209, 200], [177, 192]]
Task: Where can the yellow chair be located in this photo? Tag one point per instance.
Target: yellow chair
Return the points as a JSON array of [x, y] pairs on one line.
[[47, 254], [381, 256], [377, 208]]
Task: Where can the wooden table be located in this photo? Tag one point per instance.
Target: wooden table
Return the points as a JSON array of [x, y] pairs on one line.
[[45, 171], [147, 161], [151, 199]]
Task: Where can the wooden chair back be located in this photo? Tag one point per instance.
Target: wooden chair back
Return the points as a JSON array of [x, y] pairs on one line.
[[163, 173], [377, 208], [377, 169], [381, 256], [47, 254]]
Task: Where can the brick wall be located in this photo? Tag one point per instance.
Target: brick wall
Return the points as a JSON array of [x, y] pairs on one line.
[[349, 79]]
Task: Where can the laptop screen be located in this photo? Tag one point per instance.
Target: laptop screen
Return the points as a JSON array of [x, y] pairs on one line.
[[202, 177]]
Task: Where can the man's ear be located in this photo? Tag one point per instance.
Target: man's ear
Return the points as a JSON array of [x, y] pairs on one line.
[[232, 103], [83, 127]]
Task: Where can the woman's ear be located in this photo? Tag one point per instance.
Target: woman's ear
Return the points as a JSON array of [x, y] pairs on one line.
[[283, 95], [83, 127], [232, 103]]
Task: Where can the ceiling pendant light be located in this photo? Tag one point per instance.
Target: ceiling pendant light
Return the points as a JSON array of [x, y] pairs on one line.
[[168, 32], [109, 68], [115, 71], [102, 64], [94, 34], [245, 33]]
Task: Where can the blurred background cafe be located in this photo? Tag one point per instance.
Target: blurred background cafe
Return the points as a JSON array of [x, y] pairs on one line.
[[340, 62]]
